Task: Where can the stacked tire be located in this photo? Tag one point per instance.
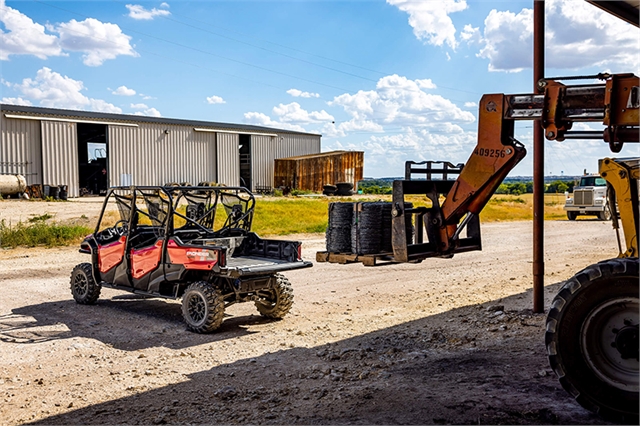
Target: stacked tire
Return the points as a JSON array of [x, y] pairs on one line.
[[344, 188], [329, 190]]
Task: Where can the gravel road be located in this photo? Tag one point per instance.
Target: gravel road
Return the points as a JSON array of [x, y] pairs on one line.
[[444, 341]]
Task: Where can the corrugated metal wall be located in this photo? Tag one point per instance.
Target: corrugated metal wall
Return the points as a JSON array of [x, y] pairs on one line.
[[289, 145], [60, 155], [153, 157], [228, 159], [263, 152], [312, 172], [21, 149]]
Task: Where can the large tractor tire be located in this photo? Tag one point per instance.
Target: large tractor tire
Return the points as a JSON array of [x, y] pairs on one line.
[[84, 288], [277, 302], [202, 307], [592, 338]]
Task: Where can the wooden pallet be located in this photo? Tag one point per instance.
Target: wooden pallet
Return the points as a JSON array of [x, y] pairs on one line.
[[344, 258]]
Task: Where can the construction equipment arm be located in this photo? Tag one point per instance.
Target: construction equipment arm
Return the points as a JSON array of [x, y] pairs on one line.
[[614, 103]]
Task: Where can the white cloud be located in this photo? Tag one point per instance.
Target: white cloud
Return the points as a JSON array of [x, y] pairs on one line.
[[138, 12], [470, 34], [143, 109], [385, 155], [430, 19], [22, 36], [51, 89], [293, 113], [399, 101], [215, 100], [470, 104], [16, 101], [577, 35], [260, 119], [300, 94], [124, 91], [98, 40]]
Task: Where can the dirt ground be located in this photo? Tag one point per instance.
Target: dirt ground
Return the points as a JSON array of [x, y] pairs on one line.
[[444, 341]]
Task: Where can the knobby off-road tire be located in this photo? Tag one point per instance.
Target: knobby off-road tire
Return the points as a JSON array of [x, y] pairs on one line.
[[84, 288], [277, 302], [202, 307], [572, 215], [592, 338]]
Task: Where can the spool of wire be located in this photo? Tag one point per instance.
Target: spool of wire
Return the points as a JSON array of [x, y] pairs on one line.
[[339, 227]]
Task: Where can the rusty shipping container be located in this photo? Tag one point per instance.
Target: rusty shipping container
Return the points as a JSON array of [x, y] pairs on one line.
[[312, 172]]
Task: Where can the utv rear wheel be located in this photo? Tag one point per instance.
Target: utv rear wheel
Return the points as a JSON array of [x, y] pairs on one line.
[[276, 303], [592, 338], [202, 307], [572, 215], [84, 288]]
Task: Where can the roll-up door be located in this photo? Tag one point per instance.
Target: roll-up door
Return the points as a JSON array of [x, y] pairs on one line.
[[228, 159], [60, 155]]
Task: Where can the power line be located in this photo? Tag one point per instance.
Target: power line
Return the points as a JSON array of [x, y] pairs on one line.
[[203, 51]]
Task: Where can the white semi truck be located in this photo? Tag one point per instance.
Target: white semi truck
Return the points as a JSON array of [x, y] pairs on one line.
[[589, 198]]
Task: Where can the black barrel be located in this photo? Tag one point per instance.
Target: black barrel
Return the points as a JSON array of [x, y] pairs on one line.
[[63, 193], [54, 192]]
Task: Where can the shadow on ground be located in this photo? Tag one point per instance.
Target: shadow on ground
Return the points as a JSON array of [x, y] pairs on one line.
[[483, 364], [127, 322]]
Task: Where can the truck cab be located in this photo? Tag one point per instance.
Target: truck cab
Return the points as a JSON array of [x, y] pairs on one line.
[[589, 198]]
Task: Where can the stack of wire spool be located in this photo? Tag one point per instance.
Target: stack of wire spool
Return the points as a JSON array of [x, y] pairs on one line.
[[363, 228], [366, 229], [339, 229]]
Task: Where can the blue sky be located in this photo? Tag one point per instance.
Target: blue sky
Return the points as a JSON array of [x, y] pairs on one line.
[[397, 79]]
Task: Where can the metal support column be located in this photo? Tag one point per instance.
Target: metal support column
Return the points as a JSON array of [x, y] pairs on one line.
[[538, 163]]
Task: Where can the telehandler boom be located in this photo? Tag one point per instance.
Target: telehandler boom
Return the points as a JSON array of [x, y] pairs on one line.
[[592, 326]]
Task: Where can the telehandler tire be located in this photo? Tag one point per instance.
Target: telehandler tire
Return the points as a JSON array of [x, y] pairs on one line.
[[202, 307], [592, 338], [84, 288], [277, 302]]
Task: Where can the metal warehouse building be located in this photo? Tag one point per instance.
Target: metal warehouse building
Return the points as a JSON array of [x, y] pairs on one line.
[[90, 151]]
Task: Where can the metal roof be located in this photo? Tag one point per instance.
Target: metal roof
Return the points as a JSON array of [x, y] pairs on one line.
[[107, 117], [627, 10]]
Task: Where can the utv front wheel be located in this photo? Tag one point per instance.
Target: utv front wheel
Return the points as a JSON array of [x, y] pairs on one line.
[[202, 307], [276, 303], [84, 288]]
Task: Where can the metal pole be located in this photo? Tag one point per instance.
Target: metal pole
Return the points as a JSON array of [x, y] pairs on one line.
[[538, 163]]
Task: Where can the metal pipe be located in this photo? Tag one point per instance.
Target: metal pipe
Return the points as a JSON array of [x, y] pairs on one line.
[[538, 163]]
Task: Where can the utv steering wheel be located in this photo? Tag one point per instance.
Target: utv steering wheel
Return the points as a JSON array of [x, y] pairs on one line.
[[121, 227]]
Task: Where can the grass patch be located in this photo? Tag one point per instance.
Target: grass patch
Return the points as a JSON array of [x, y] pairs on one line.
[[290, 216], [40, 233]]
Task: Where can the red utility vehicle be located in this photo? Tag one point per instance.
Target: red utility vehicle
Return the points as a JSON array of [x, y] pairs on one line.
[[193, 243]]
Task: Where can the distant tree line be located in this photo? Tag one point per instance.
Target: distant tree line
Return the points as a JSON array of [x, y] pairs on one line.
[[518, 188], [383, 186]]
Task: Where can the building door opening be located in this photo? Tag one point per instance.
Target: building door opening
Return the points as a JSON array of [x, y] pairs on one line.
[[244, 143], [92, 158]]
